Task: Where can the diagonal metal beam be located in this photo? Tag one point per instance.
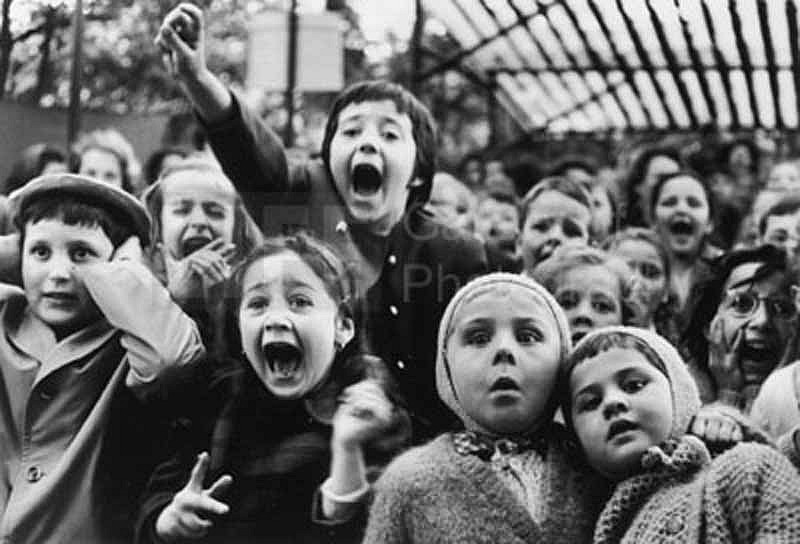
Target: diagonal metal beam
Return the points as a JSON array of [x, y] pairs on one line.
[[627, 71], [769, 52], [672, 64], [545, 56], [594, 57], [646, 62], [744, 55], [722, 66], [697, 63], [457, 58], [794, 48], [571, 58]]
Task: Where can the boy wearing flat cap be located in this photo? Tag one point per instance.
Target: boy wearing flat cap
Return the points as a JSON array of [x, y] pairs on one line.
[[81, 346]]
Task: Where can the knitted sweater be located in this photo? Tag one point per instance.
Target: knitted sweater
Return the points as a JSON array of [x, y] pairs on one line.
[[751, 493], [432, 494]]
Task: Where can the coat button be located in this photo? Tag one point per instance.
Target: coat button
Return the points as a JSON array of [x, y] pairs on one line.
[[393, 309], [392, 259], [401, 365], [674, 525], [34, 474]]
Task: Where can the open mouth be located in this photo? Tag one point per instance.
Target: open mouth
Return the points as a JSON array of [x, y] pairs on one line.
[[758, 351], [367, 179], [620, 426], [60, 298], [681, 226], [283, 359], [504, 384], [192, 244]]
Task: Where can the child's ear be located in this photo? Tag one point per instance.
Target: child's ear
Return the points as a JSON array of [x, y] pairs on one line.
[[345, 330]]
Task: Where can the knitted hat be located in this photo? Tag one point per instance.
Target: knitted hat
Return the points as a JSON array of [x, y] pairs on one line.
[[114, 199], [483, 285], [684, 392]]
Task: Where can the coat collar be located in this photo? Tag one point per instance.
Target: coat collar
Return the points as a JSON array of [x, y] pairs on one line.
[[35, 339]]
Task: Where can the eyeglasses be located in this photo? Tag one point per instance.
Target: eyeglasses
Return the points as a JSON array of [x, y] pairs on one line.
[[745, 304]]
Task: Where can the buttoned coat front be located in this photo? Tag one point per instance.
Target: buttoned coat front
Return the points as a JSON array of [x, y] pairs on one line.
[[74, 440]]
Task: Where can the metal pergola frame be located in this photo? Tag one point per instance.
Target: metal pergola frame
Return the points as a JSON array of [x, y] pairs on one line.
[[561, 66]]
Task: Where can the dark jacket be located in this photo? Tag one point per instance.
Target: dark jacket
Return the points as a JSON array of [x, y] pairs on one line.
[[424, 262], [277, 453]]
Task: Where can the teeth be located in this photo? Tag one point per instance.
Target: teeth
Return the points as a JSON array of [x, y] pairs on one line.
[[283, 358]]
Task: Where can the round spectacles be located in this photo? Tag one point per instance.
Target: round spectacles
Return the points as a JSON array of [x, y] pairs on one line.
[[745, 304]]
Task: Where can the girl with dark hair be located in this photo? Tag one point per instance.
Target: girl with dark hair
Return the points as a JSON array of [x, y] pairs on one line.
[[682, 209], [648, 166], [287, 427], [366, 196]]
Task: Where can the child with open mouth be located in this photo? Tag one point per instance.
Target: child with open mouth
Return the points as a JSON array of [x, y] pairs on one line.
[[365, 195], [629, 399], [744, 325], [285, 435], [200, 231], [682, 207]]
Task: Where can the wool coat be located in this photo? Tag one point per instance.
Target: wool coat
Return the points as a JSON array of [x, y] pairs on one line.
[[433, 494], [423, 263], [751, 493], [76, 438]]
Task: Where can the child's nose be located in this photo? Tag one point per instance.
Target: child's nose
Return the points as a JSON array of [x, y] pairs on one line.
[[60, 268], [277, 321], [198, 217], [504, 356], [368, 145], [615, 403]]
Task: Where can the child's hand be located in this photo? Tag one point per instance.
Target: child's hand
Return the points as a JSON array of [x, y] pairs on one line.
[[181, 39], [724, 358], [196, 274], [187, 516], [636, 303], [129, 250], [364, 411]]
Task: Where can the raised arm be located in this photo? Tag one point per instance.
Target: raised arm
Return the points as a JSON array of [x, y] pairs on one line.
[[250, 153]]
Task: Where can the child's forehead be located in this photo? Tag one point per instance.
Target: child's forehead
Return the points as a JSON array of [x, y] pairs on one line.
[[589, 276], [283, 267], [608, 363], [634, 247], [557, 204], [197, 184], [55, 228], [502, 300], [383, 109]]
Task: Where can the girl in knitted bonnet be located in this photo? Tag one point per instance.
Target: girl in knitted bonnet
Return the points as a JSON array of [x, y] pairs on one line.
[[629, 399], [505, 477]]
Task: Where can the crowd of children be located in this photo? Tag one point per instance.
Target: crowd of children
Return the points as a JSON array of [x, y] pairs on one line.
[[358, 347]]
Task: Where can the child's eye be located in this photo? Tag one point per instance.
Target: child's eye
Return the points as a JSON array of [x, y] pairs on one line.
[[572, 229], [391, 135], [529, 335], [542, 226], [300, 301], [40, 252], [587, 403], [81, 254], [257, 303], [215, 212], [351, 132], [478, 337], [693, 202], [650, 271], [633, 385], [568, 299], [604, 306], [670, 201]]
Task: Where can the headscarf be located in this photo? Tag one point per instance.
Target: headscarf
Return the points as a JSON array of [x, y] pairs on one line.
[[482, 285], [684, 392]]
